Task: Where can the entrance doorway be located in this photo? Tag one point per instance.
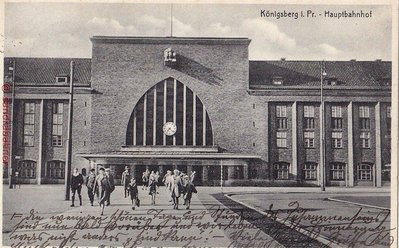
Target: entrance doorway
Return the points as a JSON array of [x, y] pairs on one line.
[[139, 173], [198, 175], [182, 168]]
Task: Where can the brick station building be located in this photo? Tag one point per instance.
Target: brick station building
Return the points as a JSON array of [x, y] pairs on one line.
[[199, 104]]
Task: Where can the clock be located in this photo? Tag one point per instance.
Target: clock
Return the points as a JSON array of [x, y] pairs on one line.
[[169, 128]]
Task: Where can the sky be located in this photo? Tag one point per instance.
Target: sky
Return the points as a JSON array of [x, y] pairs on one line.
[[64, 29]]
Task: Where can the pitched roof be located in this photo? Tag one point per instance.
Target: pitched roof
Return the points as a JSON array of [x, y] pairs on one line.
[[43, 71], [307, 73]]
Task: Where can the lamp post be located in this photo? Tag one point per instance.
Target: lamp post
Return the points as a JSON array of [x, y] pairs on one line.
[[221, 175], [322, 132], [11, 155], [69, 138]]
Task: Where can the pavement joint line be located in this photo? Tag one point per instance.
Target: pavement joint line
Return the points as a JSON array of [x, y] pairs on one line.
[[319, 237], [358, 204]]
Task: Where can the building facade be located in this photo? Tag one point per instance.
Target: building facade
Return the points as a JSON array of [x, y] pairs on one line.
[[199, 104]]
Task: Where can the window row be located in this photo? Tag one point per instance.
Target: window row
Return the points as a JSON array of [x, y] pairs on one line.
[[336, 139], [337, 171], [27, 169]]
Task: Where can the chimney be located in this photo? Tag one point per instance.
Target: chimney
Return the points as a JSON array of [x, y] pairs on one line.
[[282, 59]]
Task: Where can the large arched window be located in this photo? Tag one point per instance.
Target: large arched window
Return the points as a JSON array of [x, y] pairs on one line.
[[171, 102], [27, 169]]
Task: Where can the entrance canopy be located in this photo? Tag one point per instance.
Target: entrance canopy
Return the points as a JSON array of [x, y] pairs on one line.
[[129, 156]]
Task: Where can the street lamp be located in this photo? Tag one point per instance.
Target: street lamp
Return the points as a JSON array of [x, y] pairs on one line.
[[221, 175], [11, 155], [322, 132], [69, 138]]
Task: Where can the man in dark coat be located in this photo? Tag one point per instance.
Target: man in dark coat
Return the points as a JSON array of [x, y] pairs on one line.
[[111, 184], [76, 186], [91, 179], [126, 180]]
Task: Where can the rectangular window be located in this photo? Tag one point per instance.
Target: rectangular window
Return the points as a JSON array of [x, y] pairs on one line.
[[336, 117], [364, 112], [29, 124], [282, 171], [336, 111], [281, 114], [310, 171], [364, 117], [365, 139], [308, 111], [336, 138], [61, 80], [364, 172], [337, 171], [308, 117], [58, 111], [308, 139], [281, 139]]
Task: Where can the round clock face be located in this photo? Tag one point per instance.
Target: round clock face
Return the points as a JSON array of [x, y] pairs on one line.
[[169, 128]]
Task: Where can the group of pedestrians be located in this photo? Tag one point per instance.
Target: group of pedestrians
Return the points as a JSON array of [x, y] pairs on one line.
[[179, 184], [102, 185]]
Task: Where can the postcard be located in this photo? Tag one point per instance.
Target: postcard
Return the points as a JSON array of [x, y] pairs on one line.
[[199, 124]]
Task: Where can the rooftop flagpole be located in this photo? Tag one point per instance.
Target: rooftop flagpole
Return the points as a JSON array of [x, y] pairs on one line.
[[171, 20]]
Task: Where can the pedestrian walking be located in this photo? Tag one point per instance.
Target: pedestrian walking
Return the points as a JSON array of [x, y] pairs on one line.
[[152, 187], [91, 179], [134, 193], [126, 180], [157, 180], [167, 181], [111, 183], [192, 176], [188, 190], [103, 185], [176, 188], [76, 186], [145, 180]]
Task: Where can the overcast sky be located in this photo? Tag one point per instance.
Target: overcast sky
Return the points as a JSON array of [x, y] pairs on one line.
[[63, 30]]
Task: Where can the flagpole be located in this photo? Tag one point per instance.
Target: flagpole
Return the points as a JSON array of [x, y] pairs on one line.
[[171, 20]]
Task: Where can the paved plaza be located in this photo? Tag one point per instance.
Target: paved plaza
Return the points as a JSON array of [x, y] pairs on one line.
[[236, 217]]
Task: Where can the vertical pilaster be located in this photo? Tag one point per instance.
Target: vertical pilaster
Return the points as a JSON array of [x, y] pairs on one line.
[[174, 108], [351, 159], [164, 109], [230, 172], [245, 171], [204, 173], [378, 151], [134, 128], [184, 114], [194, 118], [41, 137], [294, 129], [154, 124], [145, 120], [203, 125], [133, 171]]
